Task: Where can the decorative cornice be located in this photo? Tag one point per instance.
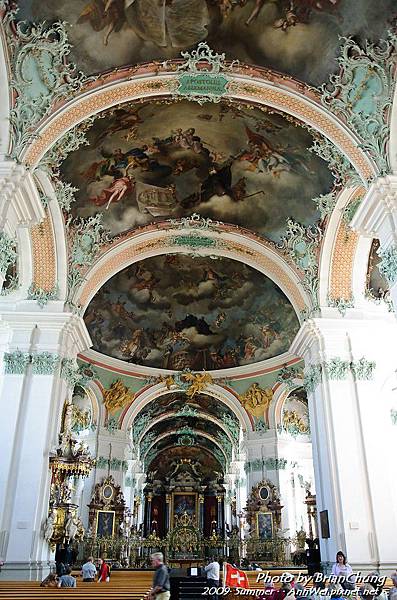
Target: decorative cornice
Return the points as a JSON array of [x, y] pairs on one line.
[[336, 368]]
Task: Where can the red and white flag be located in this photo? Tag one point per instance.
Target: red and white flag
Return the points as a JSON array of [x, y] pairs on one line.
[[234, 577]]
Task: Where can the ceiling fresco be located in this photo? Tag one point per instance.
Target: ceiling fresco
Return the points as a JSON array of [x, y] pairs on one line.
[[175, 424], [196, 442], [178, 312], [280, 34], [164, 463], [235, 164]]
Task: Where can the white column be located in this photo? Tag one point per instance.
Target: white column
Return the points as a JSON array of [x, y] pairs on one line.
[[31, 401], [349, 464], [376, 217]]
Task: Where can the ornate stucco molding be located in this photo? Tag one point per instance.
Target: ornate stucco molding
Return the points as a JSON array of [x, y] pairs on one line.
[[302, 244], [388, 263], [341, 304], [43, 363], [42, 297], [362, 93], [41, 74], [8, 253], [15, 363], [74, 374], [338, 369]]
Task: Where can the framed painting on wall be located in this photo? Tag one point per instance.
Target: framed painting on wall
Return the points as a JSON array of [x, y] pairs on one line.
[[264, 525], [324, 523], [105, 521], [184, 504]]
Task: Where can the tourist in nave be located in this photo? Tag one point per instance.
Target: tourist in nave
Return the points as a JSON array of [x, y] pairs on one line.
[[342, 569], [66, 580], [161, 579], [88, 570], [393, 590], [212, 571], [104, 571]]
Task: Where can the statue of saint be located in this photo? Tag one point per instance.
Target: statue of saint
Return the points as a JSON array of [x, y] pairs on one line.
[[49, 526], [71, 527]]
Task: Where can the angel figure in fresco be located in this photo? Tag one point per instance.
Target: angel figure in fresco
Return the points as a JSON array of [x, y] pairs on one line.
[[249, 348], [104, 14], [115, 191], [268, 335], [263, 156], [131, 347]]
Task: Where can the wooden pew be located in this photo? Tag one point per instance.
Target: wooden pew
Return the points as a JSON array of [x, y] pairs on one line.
[[131, 585]]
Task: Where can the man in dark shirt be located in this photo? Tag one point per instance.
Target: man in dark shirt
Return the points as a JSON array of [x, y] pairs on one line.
[[161, 579]]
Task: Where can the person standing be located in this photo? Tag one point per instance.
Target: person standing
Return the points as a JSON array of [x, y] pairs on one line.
[[212, 571], [104, 571], [161, 579], [88, 570], [66, 580]]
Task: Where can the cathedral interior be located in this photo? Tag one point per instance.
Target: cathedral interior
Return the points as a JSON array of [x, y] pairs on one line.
[[198, 267]]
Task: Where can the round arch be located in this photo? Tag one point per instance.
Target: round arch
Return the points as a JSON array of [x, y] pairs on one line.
[[147, 395], [170, 434], [202, 415], [227, 242], [154, 82]]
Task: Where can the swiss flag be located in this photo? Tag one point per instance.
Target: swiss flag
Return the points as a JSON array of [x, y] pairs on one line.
[[235, 578]]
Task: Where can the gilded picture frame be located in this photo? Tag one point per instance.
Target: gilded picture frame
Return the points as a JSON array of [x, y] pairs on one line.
[[105, 523], [264, 525], [184, 503]]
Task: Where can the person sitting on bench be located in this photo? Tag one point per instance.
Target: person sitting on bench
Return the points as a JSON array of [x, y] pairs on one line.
[[66, 580]]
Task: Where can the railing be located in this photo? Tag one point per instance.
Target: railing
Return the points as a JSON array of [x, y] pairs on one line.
[[135, 552]]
